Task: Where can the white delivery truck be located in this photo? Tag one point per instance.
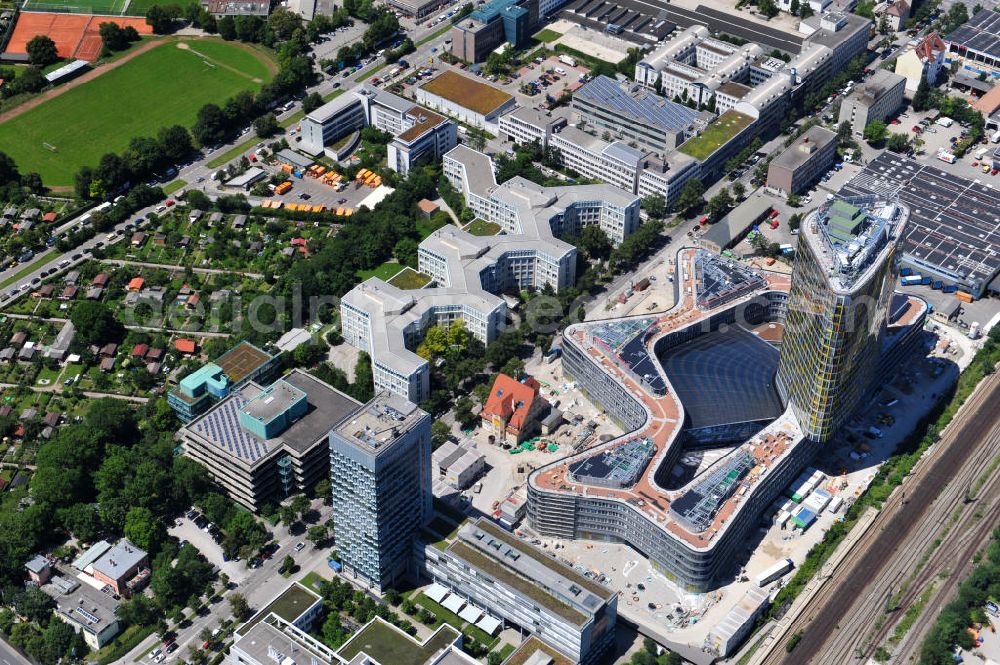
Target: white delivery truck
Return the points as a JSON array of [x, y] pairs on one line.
[[945, 121], [567, 60]]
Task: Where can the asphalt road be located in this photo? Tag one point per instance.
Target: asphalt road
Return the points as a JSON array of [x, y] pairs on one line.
[[9, 656]]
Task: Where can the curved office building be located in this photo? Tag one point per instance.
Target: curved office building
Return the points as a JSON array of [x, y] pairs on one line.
[[683, 380]]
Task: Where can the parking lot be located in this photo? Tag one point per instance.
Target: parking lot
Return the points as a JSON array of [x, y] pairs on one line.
[[314, 191]]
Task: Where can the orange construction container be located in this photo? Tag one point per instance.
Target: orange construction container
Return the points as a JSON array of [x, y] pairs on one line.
[[963, 296], [287, 168]]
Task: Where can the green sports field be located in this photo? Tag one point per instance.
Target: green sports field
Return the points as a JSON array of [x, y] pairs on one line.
[[164, 86], [101, 7]]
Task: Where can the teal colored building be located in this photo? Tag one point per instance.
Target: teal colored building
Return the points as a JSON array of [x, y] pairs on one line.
[[215, 380], [273, 410]]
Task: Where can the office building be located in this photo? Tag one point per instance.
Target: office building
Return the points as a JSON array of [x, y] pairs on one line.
[[614, 163], [418, 133], [804, 162], [876, 99], [635, 115], [975, 46], [845, 269], [673, 383], [695, 66], [487, 570], [388, 324], [494, 23], [428, 137], [296, 605], [526, 125], [380, 458], [274, 640], [263, 443], [923, 61], [520, 207], [215, 380], [720, 141], [845, 34], [467, 100]]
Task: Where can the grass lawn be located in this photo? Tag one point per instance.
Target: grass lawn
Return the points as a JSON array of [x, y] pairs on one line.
[[545, 35], [139, 7], [388, 644], [27, 270], [109, 7], [370, 73], [428, 225], [312, 581], [480, 227], [716, 134], [172, 187], [385, 271], [166, 85], [409, 279], [46, 377]]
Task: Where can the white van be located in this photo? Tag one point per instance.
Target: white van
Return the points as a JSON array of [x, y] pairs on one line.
[[560, 71]]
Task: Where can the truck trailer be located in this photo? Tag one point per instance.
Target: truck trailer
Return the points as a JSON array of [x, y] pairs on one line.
[[775, 572]]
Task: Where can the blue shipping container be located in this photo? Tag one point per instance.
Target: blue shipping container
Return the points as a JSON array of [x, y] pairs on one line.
[[937, 285], [925, 280], [335, 565], [950, 288], [905, 272]]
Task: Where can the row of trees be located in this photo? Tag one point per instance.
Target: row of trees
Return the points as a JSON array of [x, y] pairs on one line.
[[15, 186], [143, 158], [383, 26]]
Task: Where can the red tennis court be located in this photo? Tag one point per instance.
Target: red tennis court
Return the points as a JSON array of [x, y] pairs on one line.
[[75, 35]]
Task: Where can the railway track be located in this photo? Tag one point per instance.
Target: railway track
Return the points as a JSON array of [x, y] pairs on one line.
[[846, 619]]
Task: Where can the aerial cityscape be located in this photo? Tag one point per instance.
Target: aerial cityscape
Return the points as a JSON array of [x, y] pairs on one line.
[[502, 332]]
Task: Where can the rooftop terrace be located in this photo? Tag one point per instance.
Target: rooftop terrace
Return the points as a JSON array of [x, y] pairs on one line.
[[390, 646], [717, 134]]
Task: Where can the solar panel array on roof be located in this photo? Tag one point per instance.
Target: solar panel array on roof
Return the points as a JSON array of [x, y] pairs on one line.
[[720, 281], [618, 467], [980, 33], [954, 225], [648, 108], [221, 426], [697, 507]]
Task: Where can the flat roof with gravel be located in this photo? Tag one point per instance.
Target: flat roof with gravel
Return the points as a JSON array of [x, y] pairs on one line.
[[473, 95]]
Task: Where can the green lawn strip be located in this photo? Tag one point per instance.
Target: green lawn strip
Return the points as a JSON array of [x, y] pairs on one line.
[[434, 35], [27, 270], [121, 645], [230, 154], [312, 581], [428, 225], [370, 73], [443, 614], [163, 86], [385, 271], [547, 35], [172, 187]]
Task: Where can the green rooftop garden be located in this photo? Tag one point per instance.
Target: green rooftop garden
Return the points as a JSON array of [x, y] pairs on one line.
[[387, 644], [719, 132], [290, 605], [408, 278]]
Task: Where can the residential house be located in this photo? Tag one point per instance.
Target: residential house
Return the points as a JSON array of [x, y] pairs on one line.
[[139, 239], [108, 350], [68, 293]]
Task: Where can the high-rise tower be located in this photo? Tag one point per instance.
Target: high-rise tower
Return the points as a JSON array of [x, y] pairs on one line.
[[842, 284]]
